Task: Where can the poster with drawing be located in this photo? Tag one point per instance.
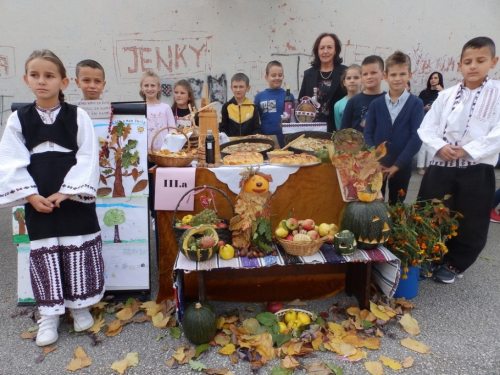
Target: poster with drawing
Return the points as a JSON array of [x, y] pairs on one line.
[[19, 230], [24, 292]]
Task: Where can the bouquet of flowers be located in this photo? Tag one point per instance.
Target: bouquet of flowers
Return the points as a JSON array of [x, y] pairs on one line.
[[419, 231]]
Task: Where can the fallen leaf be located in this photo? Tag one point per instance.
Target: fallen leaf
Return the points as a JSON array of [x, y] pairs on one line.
[[132, 358], [354, 311], [175, 332], [79, 353], [48, 350], [222, 339], [378, 313], [318, 369], [80, 361], [407, 362], [374, 368], [98, 324], [296, 302], [197, 365], [410, 324], [160, 321], [120, 366], [395, 365], [234, 358], [99, 305], [28, 335], [141, 319], [228, 349], [40, 358], [252, 325], [278, 370], [415, 345], [129, 311], [347, 349], [151, 307], [360, 354], [289, 362], [200, 349], [217, 371], [114, 328]]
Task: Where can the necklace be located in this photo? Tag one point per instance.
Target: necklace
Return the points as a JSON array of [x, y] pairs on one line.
[[329, 75]]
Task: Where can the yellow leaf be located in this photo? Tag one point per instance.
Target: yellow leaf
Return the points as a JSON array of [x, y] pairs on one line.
[[371, 343], [132, 358], [220, 322], [98, 324], [80, 353], [99, 305], [336, 329], [391, 363], [289, 362], [354, 340], [151, 307], [228, 349], [409, 324], [360, 354], [317, 342], [367, 315], [28, 335], [354, 311], [114, 328], [347, 349], [120, 366], [294, 348], [80, 361], [128, 312], [374, 368], [222, 339], [377, 312], [47, 350], [407, 362], [159, 321], [415, 345], [379, 333]]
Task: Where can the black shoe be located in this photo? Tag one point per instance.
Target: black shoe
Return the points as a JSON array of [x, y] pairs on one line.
[[446, 274], [427, 269]]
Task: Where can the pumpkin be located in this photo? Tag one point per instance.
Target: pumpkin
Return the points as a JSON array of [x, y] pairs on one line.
[[199, 323], [367, 195], [257, 184], [189, 243], [344, 242], [370, 222]]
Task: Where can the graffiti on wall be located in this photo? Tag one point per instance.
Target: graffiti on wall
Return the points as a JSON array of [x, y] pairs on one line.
[[7, 62]]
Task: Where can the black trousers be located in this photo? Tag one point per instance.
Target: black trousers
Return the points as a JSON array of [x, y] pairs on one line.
[[400, 181], [471, 190]]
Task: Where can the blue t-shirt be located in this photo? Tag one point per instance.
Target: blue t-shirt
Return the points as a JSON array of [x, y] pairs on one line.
[[338, 111], [356, 111], [270, 106]]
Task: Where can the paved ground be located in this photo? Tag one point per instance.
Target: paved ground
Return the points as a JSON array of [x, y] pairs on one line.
[[459, 322]]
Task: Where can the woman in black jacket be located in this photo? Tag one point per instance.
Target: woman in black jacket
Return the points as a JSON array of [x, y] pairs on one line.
[[325, 74]]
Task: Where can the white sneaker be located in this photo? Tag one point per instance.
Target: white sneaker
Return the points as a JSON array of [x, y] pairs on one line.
[[82, 319], [47, 330]]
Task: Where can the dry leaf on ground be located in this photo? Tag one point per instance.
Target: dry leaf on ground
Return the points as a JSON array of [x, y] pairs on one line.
[[374, 368], [410, 324], [415, 345], [114, 328], [128, 312], [81, 360], [98, 324], [389, 362], [160, 321], [378, 313], [131, 359], [228, 349], [296, 302], [47, 350], [28, 335], [318, 369], [408, 362], [151, 308], [289, 362]]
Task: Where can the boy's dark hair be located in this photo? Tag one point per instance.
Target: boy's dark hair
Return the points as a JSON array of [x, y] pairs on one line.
[[337, 60], [271, 64], [373, 59], [398, 58], [90, 64], [479, 42], [241, 77]]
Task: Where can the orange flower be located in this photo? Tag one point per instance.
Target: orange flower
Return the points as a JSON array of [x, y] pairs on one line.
[[404, 277], [401, 192]]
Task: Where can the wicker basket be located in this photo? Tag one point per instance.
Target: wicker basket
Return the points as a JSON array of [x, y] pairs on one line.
[[301, 249], [281, 313], [223, 233], [166, 160]]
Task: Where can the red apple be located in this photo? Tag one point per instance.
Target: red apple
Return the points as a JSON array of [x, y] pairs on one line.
[[222, 225], [308, 224], [220, 244], [274, 307], [186, 226], [314, 235], [292, 223], [289, 237]]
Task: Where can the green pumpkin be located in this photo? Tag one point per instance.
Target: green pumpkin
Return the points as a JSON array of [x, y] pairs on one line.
[[369, 221], [344, 242], [198, 255], [199, 323]]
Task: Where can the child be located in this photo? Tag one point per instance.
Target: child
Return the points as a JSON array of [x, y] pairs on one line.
[[53, 169], [159, 114], [90, 79], [240, 116], [351, 80], [394, 118], [183, 98], [270, 102], [462, 133], [356, 109]]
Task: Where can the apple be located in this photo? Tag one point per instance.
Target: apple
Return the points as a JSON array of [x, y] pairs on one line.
[[289, 237], [323, 229], [281, 232], [222, 225], [220, 244], [329, 239], [292, 223], [186, 226], [308, 224], [274, 307], [333, 230], [313, 235]]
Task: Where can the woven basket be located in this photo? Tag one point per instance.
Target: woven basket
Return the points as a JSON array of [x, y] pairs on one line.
[[223, 233], [301, 249], [167, 160], [281, 313]]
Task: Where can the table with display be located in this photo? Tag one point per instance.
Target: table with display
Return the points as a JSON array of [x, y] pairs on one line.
[[312, 192]]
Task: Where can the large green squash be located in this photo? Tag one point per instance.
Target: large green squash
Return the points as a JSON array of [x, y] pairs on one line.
[[369, 221], [199, 323], [198, 254]]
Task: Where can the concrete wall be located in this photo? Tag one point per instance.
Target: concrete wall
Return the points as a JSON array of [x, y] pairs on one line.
[[210, 40]]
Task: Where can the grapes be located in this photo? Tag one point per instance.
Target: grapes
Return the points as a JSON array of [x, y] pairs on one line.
[[207, 216]]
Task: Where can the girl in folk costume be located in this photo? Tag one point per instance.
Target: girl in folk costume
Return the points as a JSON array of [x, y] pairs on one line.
[[53, 169]]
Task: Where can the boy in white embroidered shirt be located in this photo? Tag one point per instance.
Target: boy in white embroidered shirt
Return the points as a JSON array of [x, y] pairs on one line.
[[462, 132]]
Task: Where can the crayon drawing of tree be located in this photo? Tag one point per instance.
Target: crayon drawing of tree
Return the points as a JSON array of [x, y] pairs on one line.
[[114, 217], [116, 158], [19, 217]]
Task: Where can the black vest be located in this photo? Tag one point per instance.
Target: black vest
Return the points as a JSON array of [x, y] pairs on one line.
[[62, 132]]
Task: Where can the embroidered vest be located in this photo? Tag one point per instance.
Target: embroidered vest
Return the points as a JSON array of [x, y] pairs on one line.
[[62, 132]]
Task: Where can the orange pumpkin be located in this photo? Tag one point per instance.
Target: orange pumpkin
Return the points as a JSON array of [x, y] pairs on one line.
[[256, 184]]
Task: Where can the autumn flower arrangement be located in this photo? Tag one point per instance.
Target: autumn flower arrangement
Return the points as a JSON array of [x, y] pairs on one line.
[[419, 231]]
